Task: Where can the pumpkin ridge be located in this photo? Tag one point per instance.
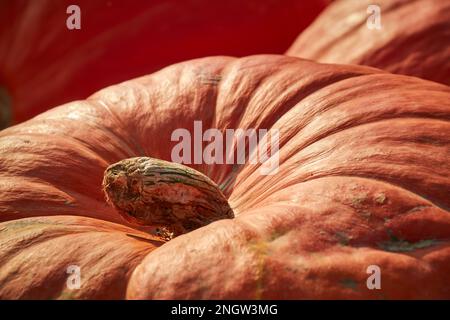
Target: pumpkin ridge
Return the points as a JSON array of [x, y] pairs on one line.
[[287, 138], [38, 238], [443, 207], [70, 197], [435, 204], [136, 148], [137, 250], [387, 9], [336, 131], [310, 89], [101, 105], [70, 139], [348, 126], [326, 135]]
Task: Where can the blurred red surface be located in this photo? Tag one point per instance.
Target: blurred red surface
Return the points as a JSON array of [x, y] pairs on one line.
[[44, 64]]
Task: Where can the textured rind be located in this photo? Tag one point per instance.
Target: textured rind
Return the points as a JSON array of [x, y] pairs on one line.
[[414, 38], [312, 240], [363, 179], [37, 253]]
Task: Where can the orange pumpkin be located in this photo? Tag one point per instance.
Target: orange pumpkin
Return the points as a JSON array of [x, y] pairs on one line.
[[413, 39], [363, 180]]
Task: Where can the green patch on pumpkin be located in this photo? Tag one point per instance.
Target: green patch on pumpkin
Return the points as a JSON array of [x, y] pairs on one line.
[[349, 283], [343, 238], [399, 245]]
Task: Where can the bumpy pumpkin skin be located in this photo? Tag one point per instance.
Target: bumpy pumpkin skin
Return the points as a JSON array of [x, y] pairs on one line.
[[414, 38], [37, 253], [44, 64], [363, 179]]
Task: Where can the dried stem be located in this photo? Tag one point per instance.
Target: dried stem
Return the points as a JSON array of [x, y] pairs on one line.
[[171, 196]]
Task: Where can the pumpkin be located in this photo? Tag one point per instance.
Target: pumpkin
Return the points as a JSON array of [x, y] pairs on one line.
[[44, 64], [413, 38], [363, 180]]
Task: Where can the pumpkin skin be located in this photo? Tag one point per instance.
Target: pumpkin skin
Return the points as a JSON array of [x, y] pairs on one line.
[[363, 180], [43, 64], [413, 39]]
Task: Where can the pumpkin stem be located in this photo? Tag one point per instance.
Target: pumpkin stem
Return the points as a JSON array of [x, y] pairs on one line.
[[175, 198], [5, 109]]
